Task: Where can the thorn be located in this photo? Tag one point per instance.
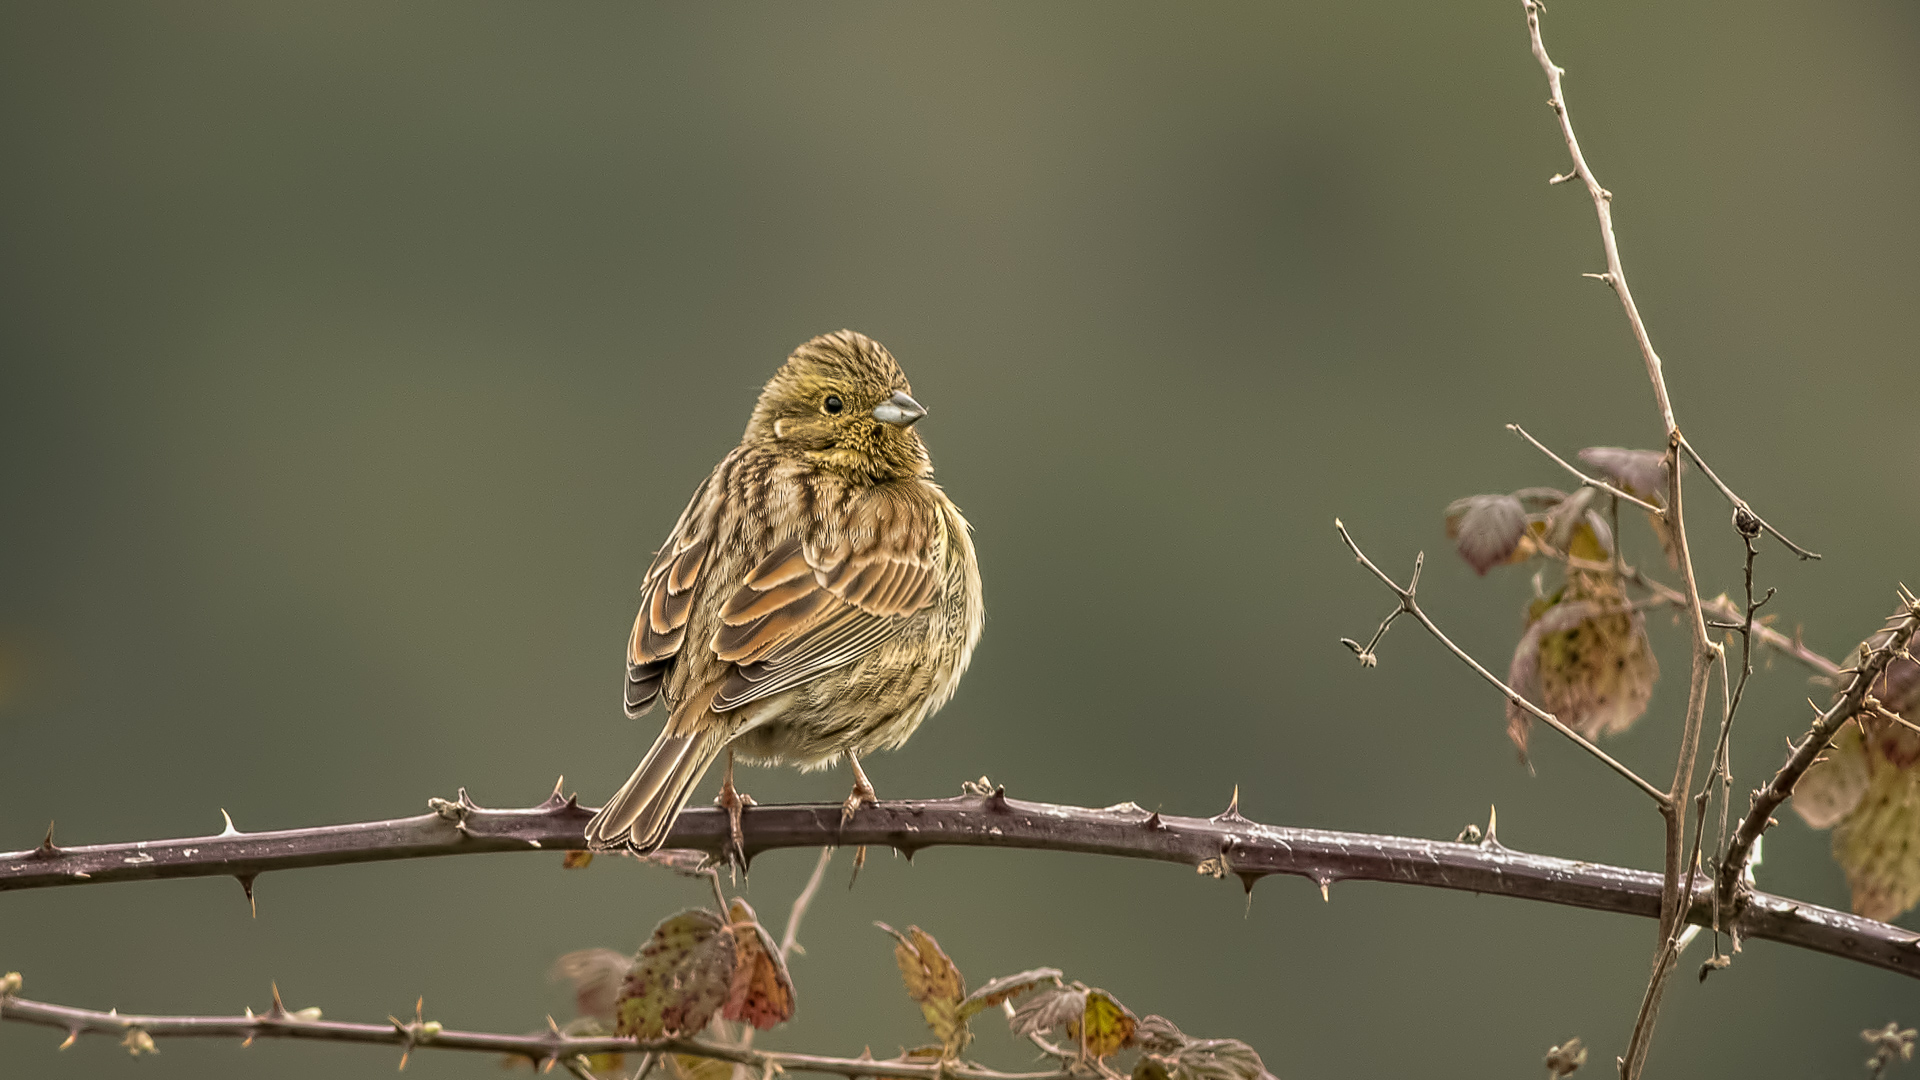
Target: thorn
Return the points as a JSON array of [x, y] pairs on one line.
[[1325, 883], [1492, 839], [73, 1035], [229, 830], [906, 850], [1232, 812], [279, 1009], [246, 883], [467, 803], [1248, 878], [47, 849], [997, 802], [556, 800], [1153, 822]]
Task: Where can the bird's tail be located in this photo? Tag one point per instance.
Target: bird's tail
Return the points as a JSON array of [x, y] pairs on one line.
[[640, 814]]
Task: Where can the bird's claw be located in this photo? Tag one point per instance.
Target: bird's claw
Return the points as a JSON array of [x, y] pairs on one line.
[[733, 801]]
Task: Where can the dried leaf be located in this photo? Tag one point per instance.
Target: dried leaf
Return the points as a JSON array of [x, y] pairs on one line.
[[681, 861], [1049, 1009], [1584, 658], [1007, 987], [596, 975], [1104, 1027], [762, 992], [1158, 1034], [1642, 473], [934, 982], [1488, 530], [1878, 845], [576, 860], [680, 979], [1214, 1059], [1830, 790]]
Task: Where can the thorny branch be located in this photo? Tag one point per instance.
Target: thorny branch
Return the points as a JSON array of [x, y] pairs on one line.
[[1228, 844], [1410, 606], [1742, 511], [138, 1032], [1853, 701]]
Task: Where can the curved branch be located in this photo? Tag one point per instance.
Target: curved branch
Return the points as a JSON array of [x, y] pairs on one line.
[[138, 1033], [1227, 844]]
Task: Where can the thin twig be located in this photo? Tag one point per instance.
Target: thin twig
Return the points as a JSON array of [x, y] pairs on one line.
[[992, 820], [1411, 607], [550, 1046], [1851, 703], [1703, 648], [790, 939], [1589, 481], [1726, 611], [1741, 506]]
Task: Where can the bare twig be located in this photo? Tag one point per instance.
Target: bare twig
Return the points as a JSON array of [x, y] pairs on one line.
[[1589, 481], [1724, 610], [1704, 649], [1249, 851], [1410, 606], [548, 1047], [1851, 703], [1741, 508], [790, 939]]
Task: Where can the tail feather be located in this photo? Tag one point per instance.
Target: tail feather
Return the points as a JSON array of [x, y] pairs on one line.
[[641, 813]]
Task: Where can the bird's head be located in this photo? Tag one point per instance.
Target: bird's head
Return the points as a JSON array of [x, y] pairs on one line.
[[843, 402]]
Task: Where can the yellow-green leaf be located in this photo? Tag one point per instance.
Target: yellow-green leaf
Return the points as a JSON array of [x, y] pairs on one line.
[[1830, 790], [1585, 659], [934, 982], [1105, 1025], [1878, 844]]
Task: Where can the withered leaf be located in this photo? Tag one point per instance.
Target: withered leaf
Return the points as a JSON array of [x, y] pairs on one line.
[[1093, 1018], [1830, 790], [596, 975], [1636, 472], [680, 979], [1204, 1059], [761, 993], [1005, 988], [1642, 473], [934, 982], [1878, 845], [1488, 530], [1049, 1009], [576, 860], [1587, 661]]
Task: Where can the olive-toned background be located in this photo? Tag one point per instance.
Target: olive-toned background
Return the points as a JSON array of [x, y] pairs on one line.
[[356, 356]]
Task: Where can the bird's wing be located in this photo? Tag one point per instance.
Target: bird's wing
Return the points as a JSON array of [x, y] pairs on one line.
[[812, 606], [666, 600]]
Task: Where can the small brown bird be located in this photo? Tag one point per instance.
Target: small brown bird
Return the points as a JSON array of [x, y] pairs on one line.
[[818, 597]]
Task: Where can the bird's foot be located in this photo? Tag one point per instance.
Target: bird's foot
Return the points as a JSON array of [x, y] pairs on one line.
[[862, 795], [733, 801]]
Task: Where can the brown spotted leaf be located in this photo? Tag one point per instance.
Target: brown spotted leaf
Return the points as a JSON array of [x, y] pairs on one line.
[[596, 975], [1878, 845], [934, 982], [1489, 530], [1836, 783], [1007, 987], [1584, 658], [680, 979], [762, 992]]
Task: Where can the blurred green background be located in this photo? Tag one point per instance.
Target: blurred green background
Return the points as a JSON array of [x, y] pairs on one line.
[[356, 356]]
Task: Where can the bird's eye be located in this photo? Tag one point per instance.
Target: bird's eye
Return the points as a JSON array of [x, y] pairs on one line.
[[832, 404]]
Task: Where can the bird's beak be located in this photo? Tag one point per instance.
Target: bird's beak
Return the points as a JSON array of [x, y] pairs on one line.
[[899, 409]]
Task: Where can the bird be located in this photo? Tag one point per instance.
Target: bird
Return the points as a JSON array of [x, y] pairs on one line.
[[818, 598]]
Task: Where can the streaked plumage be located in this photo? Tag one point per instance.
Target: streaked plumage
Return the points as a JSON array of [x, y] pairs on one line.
[[818, 596]]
